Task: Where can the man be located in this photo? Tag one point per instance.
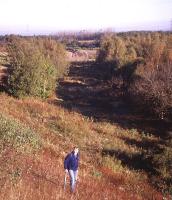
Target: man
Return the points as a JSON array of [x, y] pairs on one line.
[[71, 164]]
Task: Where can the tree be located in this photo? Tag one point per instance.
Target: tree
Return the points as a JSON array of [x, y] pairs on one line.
[[32, 73], [54, 51], [112, 49], [151, 85]]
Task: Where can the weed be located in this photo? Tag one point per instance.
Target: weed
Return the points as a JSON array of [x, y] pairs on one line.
[[97, 174], [15, 175]]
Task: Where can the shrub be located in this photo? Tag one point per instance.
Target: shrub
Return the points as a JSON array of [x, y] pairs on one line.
[[35, 67], [115, 50], [112, 49]]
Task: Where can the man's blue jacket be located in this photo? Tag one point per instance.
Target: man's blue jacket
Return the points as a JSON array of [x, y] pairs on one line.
[[71, 161]]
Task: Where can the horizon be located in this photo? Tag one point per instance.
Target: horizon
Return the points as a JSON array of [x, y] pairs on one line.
[[25, 17], [163, 26]]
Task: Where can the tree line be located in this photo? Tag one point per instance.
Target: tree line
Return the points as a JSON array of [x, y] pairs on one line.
[[142, 62]]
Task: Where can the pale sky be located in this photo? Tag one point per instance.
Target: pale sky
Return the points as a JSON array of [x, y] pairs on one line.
[[51, 16]]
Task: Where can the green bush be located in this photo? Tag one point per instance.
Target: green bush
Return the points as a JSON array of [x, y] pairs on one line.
[[13, 133], [35, 67]]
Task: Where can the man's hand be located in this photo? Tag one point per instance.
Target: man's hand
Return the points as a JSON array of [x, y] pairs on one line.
[[66, 171], [77, 179]]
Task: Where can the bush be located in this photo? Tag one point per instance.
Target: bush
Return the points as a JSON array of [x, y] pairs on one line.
[[35, 67], [113, 49]]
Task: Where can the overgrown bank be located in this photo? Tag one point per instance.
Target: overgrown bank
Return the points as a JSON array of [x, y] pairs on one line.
[[108, 159]]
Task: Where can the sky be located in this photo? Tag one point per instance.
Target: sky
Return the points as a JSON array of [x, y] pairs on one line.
[[29, 17]]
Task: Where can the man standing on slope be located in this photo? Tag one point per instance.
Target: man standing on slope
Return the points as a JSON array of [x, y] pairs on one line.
[[71, 164]]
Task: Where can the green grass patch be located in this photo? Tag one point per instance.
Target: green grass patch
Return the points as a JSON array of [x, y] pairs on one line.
[[20, 137], [112, 163]]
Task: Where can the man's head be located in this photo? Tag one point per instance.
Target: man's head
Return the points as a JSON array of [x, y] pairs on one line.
[[75, 150]]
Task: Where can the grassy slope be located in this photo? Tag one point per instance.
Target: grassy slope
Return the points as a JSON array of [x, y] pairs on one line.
[[38, 173]]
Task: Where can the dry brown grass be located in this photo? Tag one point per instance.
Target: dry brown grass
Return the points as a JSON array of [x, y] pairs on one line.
[[82, 55], [40, 176]]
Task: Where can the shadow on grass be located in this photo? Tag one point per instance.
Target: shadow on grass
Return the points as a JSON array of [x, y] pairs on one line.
[[86, 90], [144, 144], [132, 161], [138, 161], [145, 161]]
